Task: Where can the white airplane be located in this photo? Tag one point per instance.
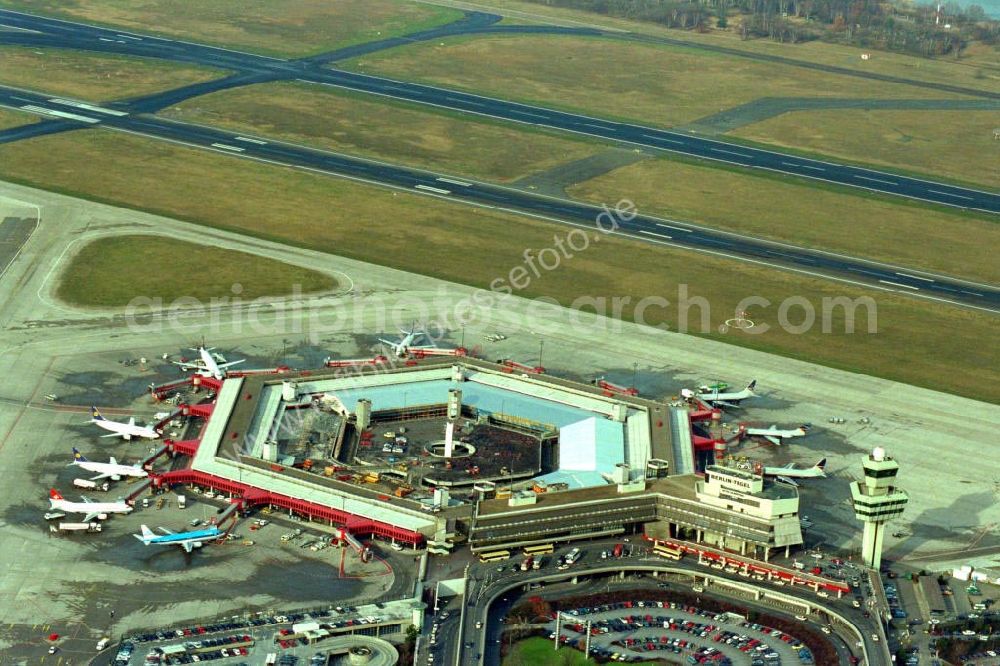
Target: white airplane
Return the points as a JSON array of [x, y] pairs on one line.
[[774, 434], [789, 473], [123, 430], [401, 348], [720, 398], [209, 365], [109, 470], [186, 540], [91, 509]]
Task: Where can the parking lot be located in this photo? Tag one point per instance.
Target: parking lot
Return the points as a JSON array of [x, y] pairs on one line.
[[634, 631]]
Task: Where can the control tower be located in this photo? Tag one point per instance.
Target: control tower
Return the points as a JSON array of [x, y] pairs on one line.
[[876, 501]]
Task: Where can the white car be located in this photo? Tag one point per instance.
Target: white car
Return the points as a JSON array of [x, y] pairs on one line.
[[826, 630], [800, 618]]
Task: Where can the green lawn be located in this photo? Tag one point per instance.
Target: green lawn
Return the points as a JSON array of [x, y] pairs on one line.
[[538, 651], [917, 342], [397, 132], [112, 272], [12, 118], [290, 28], [94, 77]]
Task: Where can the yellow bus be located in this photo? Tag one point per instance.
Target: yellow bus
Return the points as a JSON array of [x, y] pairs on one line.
[[494, 556], [544, 549], [668, 551]]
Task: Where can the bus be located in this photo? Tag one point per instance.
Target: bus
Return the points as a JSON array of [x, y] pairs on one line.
[[572, 556], [668, 551], [544, 549], [494, 556]]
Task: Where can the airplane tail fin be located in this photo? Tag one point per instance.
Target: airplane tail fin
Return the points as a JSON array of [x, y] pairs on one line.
[[77, 456], [147, 533], [95, 414], [752, 385], [805, 427], [54, 494], [821, 465]]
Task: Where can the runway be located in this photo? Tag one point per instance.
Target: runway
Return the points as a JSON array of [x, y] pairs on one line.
[[256, 68], [455, 188]]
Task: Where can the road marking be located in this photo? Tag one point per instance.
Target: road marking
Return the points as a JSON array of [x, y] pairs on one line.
[[730, 152], [876, 180], [138, 39], [105, 39], [662, 138], [437, 190], [914, 277], [86, 107], [454, 182], [249, 140], [971, 293], [228, 147], [802, 166], [463, 101], [667, 226], [600, 127], [527, 113], [896, 284], [59, 114], [653, 233], [949, 194]]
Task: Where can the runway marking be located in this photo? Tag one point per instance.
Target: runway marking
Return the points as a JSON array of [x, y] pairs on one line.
[[876, 180], [249, 140], [971, 293], [600, 127], [861, 270], [86, 107], [437, 190], [662, 138], [454, 182], [949, 194], [802, 166], [687, 231], [527, 113], [653, 233], [730, 152], [914, 277], [138, 39], [464, 101], [897, 284], [59, 114], [228, 147]]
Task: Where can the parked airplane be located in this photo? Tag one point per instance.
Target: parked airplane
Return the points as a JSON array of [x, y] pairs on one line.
[[789, 472], [719, 397], [774, 434], [402, 347], [109, 470], [91, 509], [123, 430], [209, 364], [186, 540]]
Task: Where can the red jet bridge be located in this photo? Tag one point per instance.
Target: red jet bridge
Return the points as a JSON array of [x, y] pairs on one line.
[[247, 496], [509, 365], [611, 389]]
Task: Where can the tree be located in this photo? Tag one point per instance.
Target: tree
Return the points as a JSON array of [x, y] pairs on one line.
[[721, 22]]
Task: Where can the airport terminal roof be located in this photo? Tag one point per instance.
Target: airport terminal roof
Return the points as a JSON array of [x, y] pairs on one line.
[[589, 450]]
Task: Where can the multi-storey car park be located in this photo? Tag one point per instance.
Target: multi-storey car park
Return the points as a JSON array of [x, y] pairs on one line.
[[438, 451]]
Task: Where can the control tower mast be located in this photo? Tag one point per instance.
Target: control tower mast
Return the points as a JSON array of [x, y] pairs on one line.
[[876, 501]]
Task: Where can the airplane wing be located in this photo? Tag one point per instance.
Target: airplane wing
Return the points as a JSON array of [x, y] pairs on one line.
[[114, 434], [790, 466], [188, 546], [91, 516], [774, 440], [85, 499], [226, 365], [785, 479], [112, 461], [102, 475], [165, 530], [723, 403], [131, 420], [189, 365]]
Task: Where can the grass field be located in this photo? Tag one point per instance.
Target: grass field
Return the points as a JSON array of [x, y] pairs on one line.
[[91, 76], [366, 125], [917, 342], [907, 234], [538, 651], [979, 66], [290, 28], [657, 85], [12, 118], [956, 144], [113, 271]]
